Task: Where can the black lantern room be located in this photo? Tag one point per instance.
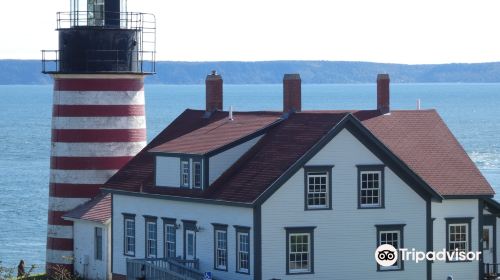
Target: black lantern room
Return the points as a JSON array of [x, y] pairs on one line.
[[101, 36]]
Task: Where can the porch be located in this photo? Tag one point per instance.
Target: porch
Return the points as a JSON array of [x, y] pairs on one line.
[[163, 269]]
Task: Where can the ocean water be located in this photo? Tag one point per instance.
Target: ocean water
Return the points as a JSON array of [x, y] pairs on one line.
[[472, 111]]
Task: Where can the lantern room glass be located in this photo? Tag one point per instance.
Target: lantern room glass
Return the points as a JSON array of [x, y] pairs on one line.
[[93, 12]]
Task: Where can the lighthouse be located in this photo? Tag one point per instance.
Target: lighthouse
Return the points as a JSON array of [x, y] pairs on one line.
[[98, 121]]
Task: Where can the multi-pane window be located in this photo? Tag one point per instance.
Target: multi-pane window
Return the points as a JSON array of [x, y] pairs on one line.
[[392, 235], [151, 237], [129, 236], [458, 238], [299, 256], [299, 250], [185, 173], [220, 247], [317, 190], [391, 238], [370, 189], [170, 240], [196, 174], [243, 251], [98, 243], [317, 184]]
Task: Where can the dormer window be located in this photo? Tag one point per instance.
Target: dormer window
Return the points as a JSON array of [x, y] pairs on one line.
[[196, 174], [185, 173], [191, 175], [181, 171]]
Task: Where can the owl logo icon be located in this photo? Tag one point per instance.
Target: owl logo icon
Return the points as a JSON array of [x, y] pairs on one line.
[[386, 255]]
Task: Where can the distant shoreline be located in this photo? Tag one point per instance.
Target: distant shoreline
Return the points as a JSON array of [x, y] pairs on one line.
[[25, 72]]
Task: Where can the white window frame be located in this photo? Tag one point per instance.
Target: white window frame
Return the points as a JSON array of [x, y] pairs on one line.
[[221, 249], [170, 228], [379, 189], [129, 239], [151, 239], [398, 232], [185, 173], [242, 254], [318, 174], [193, 233], [308, 252], [459, 242], [200, 183]]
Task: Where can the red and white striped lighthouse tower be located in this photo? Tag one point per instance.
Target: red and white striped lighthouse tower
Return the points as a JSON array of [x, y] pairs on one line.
[[98, 121]]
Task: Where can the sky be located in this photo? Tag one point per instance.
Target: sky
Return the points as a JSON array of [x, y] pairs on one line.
[[391, 31]]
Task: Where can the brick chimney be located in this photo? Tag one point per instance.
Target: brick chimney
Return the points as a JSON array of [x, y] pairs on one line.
[[213, 86], [383, 82], [292, 100]]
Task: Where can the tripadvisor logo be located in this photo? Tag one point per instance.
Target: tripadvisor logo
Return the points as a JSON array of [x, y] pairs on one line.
[[387, 255]]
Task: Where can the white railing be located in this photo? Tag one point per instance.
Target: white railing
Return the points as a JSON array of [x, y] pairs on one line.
[[163, 269]]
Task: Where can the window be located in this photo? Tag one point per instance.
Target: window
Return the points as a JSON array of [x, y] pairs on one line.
[[242, 249], [317, 183], [189, 239], [486, 238], [392, 235], [129, 234], [185, 173], [371, 186], [98, 243], [170, 232], [457, 237], [300, 250], [458, 232], [95, 10], [220, 247], [196, 174], [151, 237], [191, 245]]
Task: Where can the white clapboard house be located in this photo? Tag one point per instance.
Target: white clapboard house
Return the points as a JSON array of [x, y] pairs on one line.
[[291, 195]]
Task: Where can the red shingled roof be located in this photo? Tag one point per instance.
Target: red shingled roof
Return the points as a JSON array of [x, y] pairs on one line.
[[424, 142], [96, 210], [419, 138], [217, 134]]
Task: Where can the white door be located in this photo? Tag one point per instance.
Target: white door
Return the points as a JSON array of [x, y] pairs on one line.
[[488, 244], [190, 245]]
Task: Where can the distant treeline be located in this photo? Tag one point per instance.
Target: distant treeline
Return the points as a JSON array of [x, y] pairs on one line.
[[172, 72]]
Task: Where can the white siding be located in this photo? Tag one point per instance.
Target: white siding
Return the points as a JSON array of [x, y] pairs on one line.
[[167, 171], [221, 162], [457, 208], [85, 248], [204, 214], [345, 237]]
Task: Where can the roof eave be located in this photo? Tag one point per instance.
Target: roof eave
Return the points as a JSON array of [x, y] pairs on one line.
[[180, 198], [72, 219]]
